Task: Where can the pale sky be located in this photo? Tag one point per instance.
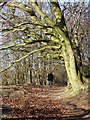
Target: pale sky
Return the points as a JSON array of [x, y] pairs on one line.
[[53, 0]]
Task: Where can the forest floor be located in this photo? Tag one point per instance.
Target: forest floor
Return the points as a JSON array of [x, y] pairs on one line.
[[42, 102]]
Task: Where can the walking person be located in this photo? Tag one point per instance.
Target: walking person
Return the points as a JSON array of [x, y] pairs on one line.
[[50, 79]]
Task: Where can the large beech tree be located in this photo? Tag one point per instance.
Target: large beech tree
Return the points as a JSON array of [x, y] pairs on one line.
[[45, 24]]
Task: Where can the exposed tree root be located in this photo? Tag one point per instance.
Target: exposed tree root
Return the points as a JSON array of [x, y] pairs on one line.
[[68, 92]]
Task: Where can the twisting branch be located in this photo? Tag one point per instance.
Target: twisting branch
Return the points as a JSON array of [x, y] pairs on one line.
[[13, 29], [42, 14], [28, 54], [29, 41], [21, 6], [6, 68], [57, 11]]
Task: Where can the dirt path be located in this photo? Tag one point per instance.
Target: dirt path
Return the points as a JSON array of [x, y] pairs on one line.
[[37, 102]]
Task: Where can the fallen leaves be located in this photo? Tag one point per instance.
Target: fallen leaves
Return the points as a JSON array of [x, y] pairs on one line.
[[36, 102]]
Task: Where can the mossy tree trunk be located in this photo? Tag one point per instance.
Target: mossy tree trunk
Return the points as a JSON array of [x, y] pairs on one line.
[[72, 72]]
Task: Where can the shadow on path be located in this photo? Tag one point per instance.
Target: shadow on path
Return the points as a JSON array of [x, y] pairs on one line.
[[5, 109], [50, 114], [75, 113]]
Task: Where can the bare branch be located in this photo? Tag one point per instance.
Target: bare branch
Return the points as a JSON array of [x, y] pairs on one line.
[[27, 55], [21, 6], [29, 41], [42, 14]]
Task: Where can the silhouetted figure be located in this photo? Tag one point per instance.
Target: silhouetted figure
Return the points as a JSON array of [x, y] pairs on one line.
[[50, 79], [5, 109]]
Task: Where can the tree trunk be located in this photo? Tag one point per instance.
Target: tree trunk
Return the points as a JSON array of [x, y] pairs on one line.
[[73, 77]]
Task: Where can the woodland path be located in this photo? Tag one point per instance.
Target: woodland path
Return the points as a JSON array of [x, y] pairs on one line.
[[36, 102]]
